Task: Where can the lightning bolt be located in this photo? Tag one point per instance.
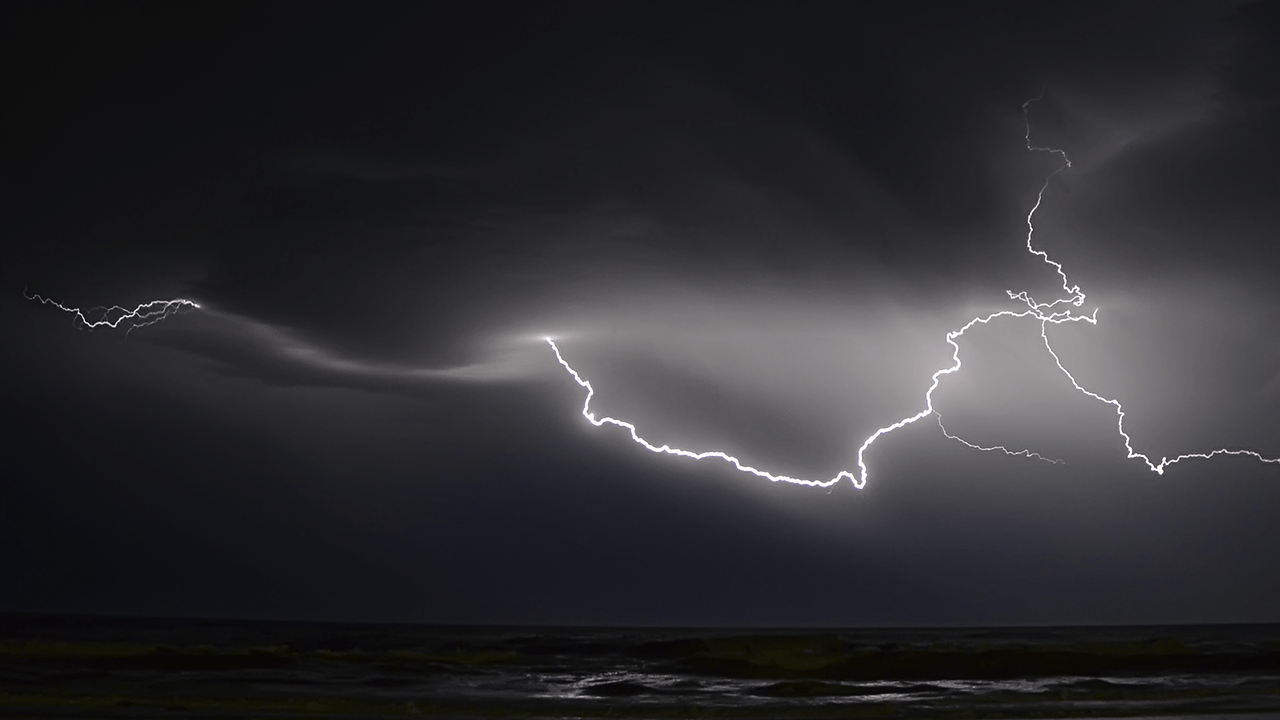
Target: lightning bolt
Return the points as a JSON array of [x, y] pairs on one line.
[[591, 417], [1047, 313], [148, 313], [1064, 309]]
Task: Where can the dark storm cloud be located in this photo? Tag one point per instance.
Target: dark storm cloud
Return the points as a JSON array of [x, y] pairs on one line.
[[318, 168], [696, 156], [750, 227]]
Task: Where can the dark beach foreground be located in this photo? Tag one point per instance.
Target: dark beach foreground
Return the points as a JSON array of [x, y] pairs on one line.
[[65, 666]]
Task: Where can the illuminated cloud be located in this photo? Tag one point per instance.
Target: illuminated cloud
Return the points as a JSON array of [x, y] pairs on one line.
[[751, 231]]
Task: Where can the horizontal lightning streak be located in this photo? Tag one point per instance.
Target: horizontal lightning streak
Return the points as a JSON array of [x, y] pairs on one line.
[[148, 313], [591, 417], [1014, 453], [1044, 312]]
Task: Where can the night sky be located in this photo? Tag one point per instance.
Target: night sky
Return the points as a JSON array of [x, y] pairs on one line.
[[750, 226]]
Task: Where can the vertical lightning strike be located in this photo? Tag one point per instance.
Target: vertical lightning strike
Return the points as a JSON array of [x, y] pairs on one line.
[[148, 313], [1074, 296], [1044, 312]]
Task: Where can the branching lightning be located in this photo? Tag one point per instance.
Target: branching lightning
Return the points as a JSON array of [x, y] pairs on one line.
[[1064, 309], [148, 313], [1046, 313]]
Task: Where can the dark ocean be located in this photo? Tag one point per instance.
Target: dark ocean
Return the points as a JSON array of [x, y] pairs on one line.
[[62, 666]]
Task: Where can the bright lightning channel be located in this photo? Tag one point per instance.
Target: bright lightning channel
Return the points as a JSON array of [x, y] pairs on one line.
[[1044, 312], [148, 313]]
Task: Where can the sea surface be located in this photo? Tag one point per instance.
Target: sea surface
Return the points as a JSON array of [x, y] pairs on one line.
[[63, 666]]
